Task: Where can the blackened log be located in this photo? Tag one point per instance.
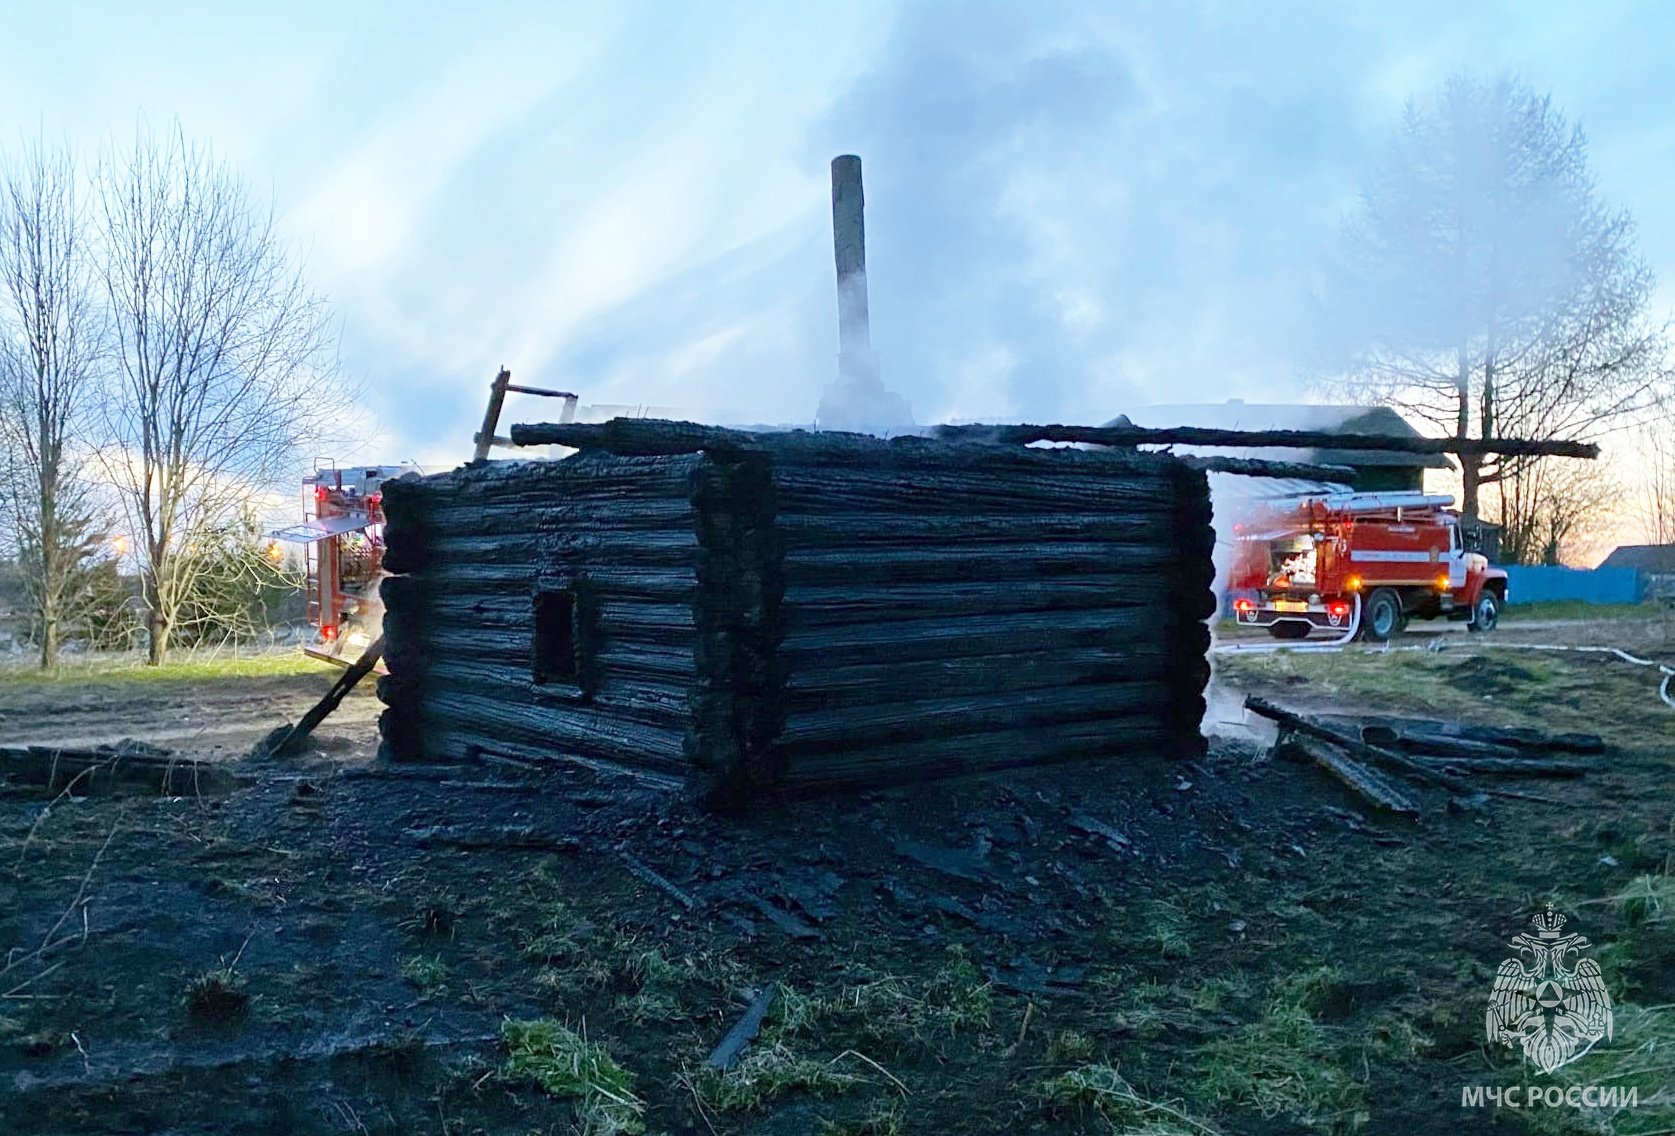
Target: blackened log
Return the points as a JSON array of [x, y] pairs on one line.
[[579, 729], [919, 640], [827, 605], [803, 489], [1362, 780], [990, 562], [831, 687], [1387, 758], [1424, 731], [918, 716], [1259, 439], [941, 530]]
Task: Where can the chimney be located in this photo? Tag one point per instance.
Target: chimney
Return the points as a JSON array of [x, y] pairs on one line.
[[849, 242], [857, 400]]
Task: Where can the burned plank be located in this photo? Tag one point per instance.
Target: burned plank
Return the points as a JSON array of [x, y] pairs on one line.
[[657, 880], [1361, 779], [290, 740], [726, 1054], [1354, 746]]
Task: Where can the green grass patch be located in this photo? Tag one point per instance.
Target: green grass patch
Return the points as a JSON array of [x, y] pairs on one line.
[[1286, 1063], [565, 1064], [1165, 927], [1576, 609], [427, 972], [767, 1071], [892, 1011], [184, 666], [1101, 1090]]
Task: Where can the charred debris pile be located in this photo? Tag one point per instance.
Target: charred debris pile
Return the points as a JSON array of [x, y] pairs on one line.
[[753, 614], [1381, 759]]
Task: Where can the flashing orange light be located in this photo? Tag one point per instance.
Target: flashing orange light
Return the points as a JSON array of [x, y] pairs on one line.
[[1243, 605], [1353, 583], [1442, 583], [274, 552]]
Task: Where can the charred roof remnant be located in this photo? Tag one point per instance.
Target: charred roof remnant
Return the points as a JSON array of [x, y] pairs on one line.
[[1124, 433], [763, 613]]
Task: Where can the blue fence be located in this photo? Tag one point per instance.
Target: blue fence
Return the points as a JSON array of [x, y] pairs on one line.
[[1589, 585]]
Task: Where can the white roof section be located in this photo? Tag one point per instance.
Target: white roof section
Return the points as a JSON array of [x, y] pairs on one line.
[[310, 531]]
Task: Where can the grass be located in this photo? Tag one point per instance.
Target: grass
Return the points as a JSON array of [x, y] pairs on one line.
[[1576, 609], [1101, 1089], [768, 1070], [565, 1064], [427, 972], [885, 1013], [1165, 929], [880, 1120], [1286, 1063], [1554, 692], [183, 666]]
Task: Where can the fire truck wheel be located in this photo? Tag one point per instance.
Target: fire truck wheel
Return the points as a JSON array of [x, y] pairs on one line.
[[1383, 616], [1485, 613]]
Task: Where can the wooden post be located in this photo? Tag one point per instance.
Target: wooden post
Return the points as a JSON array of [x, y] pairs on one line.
[[491, 416]]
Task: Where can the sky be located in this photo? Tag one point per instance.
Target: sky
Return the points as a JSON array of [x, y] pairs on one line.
[[1072, 209]]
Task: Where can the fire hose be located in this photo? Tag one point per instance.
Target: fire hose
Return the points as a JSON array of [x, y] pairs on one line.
[[1664, 669]]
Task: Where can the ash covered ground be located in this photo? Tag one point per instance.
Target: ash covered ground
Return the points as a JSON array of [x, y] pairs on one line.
[[1234, 945]]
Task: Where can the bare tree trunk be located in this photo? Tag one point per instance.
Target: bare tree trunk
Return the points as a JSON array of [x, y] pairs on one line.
[[1471, 465], [49, 336]]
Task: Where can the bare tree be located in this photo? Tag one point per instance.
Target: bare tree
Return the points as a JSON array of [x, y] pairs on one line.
[[1657, 481], [1487, 290], [1554, 509], [224, 357], [49, 343]]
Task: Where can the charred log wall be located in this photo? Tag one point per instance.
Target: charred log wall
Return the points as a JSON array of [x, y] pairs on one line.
[[954, 609], [597, 553], [798, 611]]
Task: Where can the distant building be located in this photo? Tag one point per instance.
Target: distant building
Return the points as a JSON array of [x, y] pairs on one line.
[[1654, 562], [1375, 470]]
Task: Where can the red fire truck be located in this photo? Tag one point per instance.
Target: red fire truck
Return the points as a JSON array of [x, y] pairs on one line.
[[342, 539], [1361, 565]]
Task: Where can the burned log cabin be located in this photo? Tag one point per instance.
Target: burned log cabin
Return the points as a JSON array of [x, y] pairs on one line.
[[764, 613]]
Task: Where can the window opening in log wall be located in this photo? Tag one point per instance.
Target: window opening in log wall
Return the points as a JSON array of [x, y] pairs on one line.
[[555, 636]]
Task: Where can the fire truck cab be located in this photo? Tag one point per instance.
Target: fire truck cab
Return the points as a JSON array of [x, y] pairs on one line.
[[1360, 564]]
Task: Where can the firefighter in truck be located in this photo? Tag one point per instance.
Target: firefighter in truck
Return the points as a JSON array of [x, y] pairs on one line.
[[1360, 566]]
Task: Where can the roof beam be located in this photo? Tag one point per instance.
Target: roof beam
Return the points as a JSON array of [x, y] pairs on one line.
[[1129, 435]]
